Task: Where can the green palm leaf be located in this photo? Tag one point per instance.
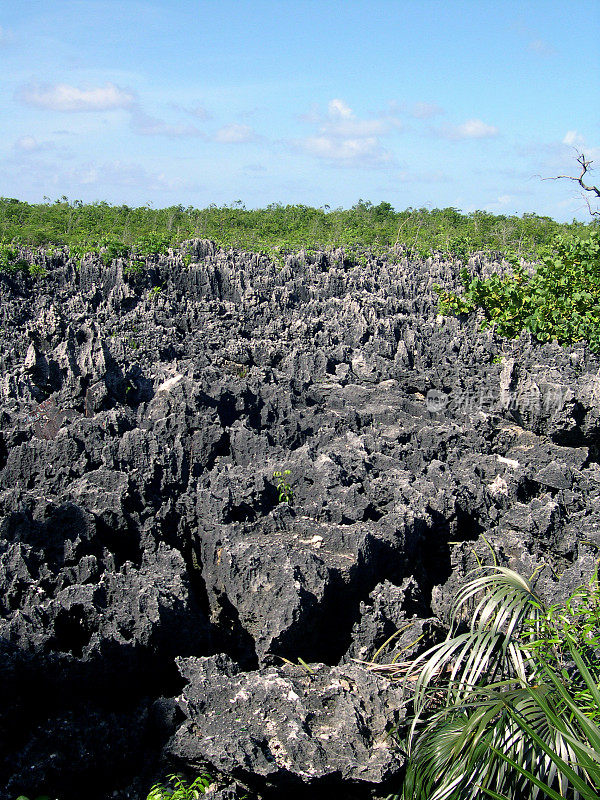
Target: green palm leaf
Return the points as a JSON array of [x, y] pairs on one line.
[[498, 709]]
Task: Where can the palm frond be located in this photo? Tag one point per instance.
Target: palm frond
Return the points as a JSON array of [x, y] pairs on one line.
[[452, 747], [488, 648], [499, 709]]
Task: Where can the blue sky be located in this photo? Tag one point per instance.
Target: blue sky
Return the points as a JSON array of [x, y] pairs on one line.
[[460, 103]]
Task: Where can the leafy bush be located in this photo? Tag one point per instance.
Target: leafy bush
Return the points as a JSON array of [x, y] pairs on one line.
[[37, 271], [179, 790], [111, 249], [77, 250], [135, 267], [152, 244], [461, 246], [9, 259], [560, 301], [40, 797], [509, 708]]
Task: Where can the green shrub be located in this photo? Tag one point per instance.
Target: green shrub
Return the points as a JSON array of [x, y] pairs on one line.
[[77, 250], [461, 247], [152, 244], [135, 267], [39, 797], [112, 249], [37, 271], [179, 790], [9, 259], [560, 301]]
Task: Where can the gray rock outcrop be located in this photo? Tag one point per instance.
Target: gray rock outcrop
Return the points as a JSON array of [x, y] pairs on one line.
[[152, 584]]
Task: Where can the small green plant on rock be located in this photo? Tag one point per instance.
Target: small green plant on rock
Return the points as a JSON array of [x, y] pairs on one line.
[[37, 271], [277, 256], [154, 292], [39, 797], [284, 490], [112, 249], [78, 251], [186, 257], [179, 790]]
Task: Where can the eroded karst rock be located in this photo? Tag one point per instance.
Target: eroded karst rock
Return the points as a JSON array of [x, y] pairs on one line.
[[140, 520], [290, 724]]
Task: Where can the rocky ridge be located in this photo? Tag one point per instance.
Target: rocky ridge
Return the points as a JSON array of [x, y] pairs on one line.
[[161, 609]]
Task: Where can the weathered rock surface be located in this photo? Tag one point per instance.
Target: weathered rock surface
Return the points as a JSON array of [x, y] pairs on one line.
[[141, 528], [316, 723]]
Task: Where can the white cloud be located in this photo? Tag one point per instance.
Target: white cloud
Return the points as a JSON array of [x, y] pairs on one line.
[[535, 43], [235, 133], [125, 174], [28, 152], [471, 129], [63, 97], [347, 151], [577, 141], [425, 110], [29, 144], [356, 127], [200, 112], [342, 121], [87, 176], [476, 129], [573, 138], [344, 139], [541, 47], [197, 111], [147, 125], [500, 203], [339, 110]]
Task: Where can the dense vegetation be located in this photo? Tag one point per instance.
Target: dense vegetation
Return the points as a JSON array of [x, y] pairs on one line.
[[561, 300], [278, 227]]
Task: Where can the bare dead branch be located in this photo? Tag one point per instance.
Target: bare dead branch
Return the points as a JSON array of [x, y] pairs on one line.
[[590, 209], [585, 167]]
